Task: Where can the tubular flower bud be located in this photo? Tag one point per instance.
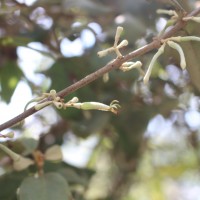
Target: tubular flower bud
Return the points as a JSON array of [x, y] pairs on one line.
[[58, 105], [155, 57], [39, 106], [184, 39], [130, 65], [113, 107], [123, 43], [192, 18], [118, 34], [180, 51], [105, 52]]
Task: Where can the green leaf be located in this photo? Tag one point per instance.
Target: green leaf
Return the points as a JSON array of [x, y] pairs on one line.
[[50, 186], [192, 50], [96, 122], [9, 184], [72, 174], [73, 177], [10, 74], [29, 144], [23, 146]]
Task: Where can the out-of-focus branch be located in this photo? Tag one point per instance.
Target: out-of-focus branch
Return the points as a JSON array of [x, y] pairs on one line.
[[155, 44]]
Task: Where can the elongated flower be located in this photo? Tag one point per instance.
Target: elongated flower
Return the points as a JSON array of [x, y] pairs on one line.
[[155, 57], [184, 38], [118, 34], [195, 19], [113, 107], [180, 51]]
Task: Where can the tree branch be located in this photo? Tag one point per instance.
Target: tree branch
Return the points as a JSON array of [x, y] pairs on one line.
[[107, 68]]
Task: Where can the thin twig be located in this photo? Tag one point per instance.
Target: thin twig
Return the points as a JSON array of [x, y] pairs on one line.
[[107, 68]]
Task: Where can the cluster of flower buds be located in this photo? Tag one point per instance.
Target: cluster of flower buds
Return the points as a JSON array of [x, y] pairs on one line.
[[172, 42], [51, 98], [115, 48]]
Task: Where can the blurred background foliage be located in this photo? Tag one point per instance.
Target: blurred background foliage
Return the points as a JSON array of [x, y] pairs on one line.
[[150, 150]]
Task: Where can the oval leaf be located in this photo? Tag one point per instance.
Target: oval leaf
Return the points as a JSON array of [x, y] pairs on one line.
[[50, 186]]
